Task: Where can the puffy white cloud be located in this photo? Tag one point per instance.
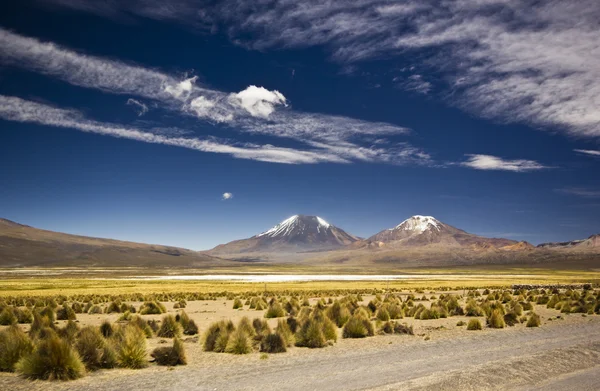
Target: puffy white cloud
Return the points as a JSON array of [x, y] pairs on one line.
[[181, 90], [258, 101], [226, 196], [488, 162]]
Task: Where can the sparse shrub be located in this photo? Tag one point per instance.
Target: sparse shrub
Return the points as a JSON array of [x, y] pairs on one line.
[[130, 347], [113, 307], [383, 315], [7, 317], [106, 329], [292, 323], [14, 344], [143, 325], [534, 320], [474, 324], [358, 326], [237, 304], [69, 331], [52, 359], [170, 355], [495, 320], [24, 315], [188, 325], [217, 335], [169, 327], [338, 313], [511, 318], [95, 309], [275, 310], [239, 342], [94, 350], [283, 329], [261, 327], [77, 307], [273, 343], [152, 307], [310, 335], [461, 323], [39, 323]]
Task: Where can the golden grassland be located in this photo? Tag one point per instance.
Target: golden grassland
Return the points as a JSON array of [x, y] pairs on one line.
[[121, 282]]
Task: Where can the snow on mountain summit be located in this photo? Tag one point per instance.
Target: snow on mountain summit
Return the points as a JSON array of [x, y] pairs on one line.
[[297, 224], [419, 224]]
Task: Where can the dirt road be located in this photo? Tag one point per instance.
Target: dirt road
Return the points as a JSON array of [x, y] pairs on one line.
[[553, 357]]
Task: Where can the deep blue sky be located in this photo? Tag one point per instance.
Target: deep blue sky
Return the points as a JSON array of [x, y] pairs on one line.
[[538, 188]]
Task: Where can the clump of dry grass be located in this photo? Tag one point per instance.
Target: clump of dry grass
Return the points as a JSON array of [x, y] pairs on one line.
[[65, 313], [14, 344], [94, 350], [338, 313], [7, 317], [130, 347], [170, 355], [273, 343], [239, 342], [217, 336], [534, 320], [474, 324], [188, 325], [495, 320], [359, 326], [316, 330], [169, 328], [152, 307], [53, 358]]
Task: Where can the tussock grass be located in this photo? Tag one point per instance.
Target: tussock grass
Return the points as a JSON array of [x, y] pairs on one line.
[[170, 355], [239, 342], [474, 324], [169, 328], [53, 358], [14, 344], [495, 320], [534, 320], [152, 307], [359, 326], [7, 317], [217, 336], [94, 350], [130, 347], [273, 343]]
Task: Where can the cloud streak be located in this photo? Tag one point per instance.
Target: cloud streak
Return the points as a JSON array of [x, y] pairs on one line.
[[140, 107], [254, 110], [589, 152], [580, 192], [17, 109], [533, 62], [488, 162]]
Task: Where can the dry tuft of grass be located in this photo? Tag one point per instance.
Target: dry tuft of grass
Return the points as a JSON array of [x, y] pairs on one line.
[[14, 344], [53, 358], [170, 355]]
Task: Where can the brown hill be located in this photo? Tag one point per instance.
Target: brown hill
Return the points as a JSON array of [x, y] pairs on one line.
[[21, 245]]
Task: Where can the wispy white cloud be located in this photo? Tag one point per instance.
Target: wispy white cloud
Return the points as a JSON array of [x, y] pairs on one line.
[[227, 196], [140, 107], [580, 192], [254, 110], [16, 109], [534, 62], [488, 162], [590, 152]]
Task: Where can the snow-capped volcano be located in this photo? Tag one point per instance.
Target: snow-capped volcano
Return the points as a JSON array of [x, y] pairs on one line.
[[295, 234], [297, 225], [424, 230]]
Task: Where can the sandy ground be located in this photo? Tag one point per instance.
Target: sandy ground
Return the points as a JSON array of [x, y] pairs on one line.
[[562, 354]]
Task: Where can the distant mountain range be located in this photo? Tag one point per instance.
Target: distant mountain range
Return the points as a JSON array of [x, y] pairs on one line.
[[419, 241]]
